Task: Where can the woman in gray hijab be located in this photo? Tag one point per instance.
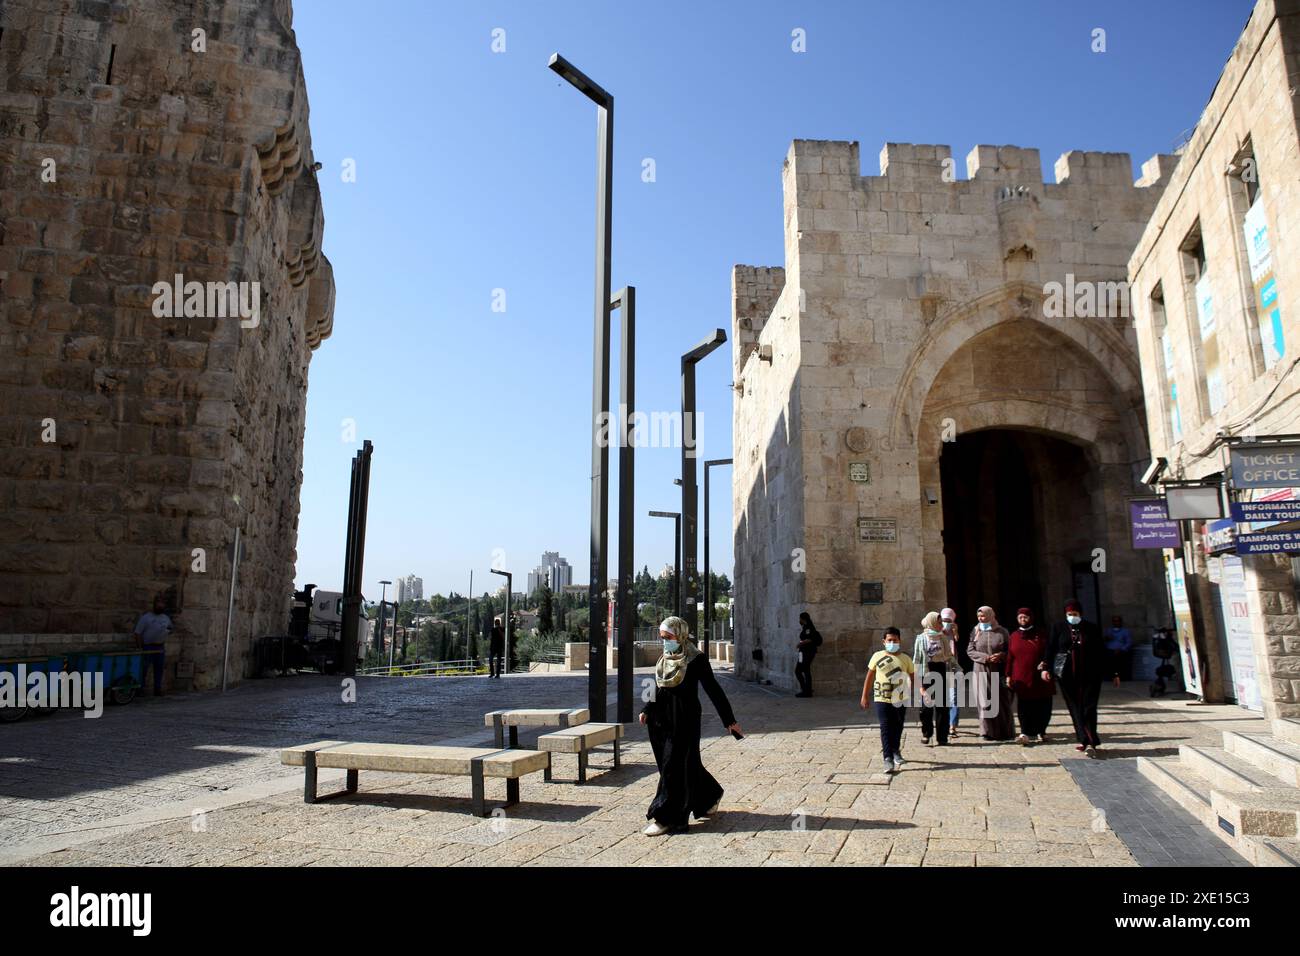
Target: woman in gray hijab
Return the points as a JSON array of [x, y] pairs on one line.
[[673, 719], [988, 650]]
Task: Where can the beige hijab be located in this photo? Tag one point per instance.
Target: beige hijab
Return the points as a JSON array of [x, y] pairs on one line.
[[671, 669]]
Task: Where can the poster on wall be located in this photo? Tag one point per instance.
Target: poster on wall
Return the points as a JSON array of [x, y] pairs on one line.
[[1183, 622], [1214, 384], [1267, 307], [1236, 621]]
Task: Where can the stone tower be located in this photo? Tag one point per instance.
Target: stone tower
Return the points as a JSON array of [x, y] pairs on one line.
[[142, 142], [929, 410]]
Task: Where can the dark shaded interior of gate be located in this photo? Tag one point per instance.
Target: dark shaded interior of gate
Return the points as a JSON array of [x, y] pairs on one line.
[[1018, 514]]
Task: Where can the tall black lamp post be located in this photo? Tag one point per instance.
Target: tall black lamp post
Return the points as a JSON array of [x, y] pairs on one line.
[[708, 579], [509, 584], [677, 556], [690, 540]]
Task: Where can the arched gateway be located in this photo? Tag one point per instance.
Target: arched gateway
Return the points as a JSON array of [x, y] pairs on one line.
[[920, 420]]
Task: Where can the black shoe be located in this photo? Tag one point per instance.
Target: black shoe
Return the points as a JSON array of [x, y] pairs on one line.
[[801, 694]]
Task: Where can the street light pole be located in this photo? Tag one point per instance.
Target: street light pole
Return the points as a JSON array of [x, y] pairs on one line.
[[690, 539], [708, 578], [379, 632], [598, 574], [677, 556]]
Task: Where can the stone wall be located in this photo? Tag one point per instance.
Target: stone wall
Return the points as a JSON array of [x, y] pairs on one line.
[[1250, 124], [168, 432], [899, 276]]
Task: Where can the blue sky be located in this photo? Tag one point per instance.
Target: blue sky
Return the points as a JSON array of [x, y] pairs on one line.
[[475, 172]]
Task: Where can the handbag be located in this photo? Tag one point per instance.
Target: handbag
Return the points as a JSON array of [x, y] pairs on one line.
[[1058, 664]]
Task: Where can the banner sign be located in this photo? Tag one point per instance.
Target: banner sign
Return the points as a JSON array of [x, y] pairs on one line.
[[1260, 255], [1265, 466], [1241, 645], [1183, 619], [1148, 526], [1220, 536], [1265, 511], [1268, 542]]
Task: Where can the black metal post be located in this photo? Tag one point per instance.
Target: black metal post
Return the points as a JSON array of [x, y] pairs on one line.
[[598, 573], [690, 539], [708, 578], [625, 302], [354, 561]]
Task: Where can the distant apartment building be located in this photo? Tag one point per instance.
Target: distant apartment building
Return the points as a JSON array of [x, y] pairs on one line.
[[554, 571], [410, 588]]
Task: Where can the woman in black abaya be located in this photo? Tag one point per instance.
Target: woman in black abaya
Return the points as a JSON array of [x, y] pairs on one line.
[[673, 719]]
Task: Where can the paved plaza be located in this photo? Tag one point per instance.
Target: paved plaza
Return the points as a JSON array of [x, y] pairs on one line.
[[196, 780]]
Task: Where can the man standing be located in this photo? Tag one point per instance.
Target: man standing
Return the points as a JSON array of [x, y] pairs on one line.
[[806, 650], [1084, 664], [1119, 642], [496, 647], [151, 631]]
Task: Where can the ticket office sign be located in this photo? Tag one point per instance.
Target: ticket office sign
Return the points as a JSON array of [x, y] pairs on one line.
[[1265, 466]]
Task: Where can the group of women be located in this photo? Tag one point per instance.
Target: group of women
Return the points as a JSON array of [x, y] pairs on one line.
[[1028, 665]]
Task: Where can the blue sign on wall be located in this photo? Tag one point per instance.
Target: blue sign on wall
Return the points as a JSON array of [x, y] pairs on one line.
[[1268, 542], [1265, 466]]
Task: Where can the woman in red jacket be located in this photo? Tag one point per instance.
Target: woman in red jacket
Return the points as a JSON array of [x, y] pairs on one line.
[[1025, 652]]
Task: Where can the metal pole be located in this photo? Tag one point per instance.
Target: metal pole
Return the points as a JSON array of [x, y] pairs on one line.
[[708, 577], [626, 303], [677, 566], [509, 630], [689, 502], [469, 610], [230, 609]]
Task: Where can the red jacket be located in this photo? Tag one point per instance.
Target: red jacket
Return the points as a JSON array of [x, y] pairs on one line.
[[1024, 654]]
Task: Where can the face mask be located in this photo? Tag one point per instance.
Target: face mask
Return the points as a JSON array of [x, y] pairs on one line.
[[931, 632], [1073, 618], [985, 627], [672, 647], [949, 625], [892, 646]]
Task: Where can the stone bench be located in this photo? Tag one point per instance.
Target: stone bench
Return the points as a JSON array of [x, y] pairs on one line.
[[580, 740], [518, 717], [478, 763]]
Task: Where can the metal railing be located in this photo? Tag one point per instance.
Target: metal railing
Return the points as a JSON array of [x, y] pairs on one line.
[[426, 669]]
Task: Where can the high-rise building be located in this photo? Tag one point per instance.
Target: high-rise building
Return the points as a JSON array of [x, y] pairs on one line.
[[410, 588], [554, 571]]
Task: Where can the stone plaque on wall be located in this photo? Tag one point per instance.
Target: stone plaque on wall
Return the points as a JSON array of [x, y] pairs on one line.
[[859, 471], [871, 592], [878, 529]]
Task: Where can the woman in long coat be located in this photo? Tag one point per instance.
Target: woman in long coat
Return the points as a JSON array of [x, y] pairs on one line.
[[988, 650], [673, 719]]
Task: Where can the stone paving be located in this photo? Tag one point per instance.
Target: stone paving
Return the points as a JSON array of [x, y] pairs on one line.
[[803, 788]]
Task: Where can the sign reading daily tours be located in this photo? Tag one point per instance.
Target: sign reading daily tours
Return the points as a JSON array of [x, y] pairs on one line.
[[1148, 525], [1265, 466], [1260, 512]]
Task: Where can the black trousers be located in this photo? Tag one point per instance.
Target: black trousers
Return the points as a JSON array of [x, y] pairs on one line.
[[494, 664], [803, 673], [1034, 715], [936, 711], [1081, 701]]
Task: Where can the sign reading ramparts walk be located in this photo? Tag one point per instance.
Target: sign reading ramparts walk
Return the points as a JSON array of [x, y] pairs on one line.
[[1265, 466], [1268, 542]]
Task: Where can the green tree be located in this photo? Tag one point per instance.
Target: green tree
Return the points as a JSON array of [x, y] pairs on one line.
[[546, 614]]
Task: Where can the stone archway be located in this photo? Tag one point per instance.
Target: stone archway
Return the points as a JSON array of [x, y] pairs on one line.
[[1023, 424]]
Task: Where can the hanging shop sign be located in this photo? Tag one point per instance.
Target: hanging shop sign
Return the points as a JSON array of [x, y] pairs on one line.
[[1266, 512], [1149, 526], [1265, 466], [1220, 536], [878, 530], [860, 471], [871, 592], [1268, 542], [1235, 610]]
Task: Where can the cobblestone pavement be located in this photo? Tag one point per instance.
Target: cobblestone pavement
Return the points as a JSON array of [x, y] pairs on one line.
[[803, 788]]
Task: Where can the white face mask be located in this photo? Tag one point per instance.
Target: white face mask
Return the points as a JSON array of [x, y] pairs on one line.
[[985, 626], [892, 646], [1073, 618]]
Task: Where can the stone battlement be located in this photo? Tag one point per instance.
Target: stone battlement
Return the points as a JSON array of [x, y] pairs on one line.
[[904, 164]]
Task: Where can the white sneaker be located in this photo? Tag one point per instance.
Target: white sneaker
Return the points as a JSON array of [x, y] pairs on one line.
[[1022, 739], [898, 764], [1042, 738], [655, 829], [1091, 752]]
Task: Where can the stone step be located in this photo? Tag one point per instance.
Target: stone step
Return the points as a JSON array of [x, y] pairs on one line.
[[1224, 770], [1281, 758], [1262, 813], [1272, 851], [1288, 729], [1184, 785]]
